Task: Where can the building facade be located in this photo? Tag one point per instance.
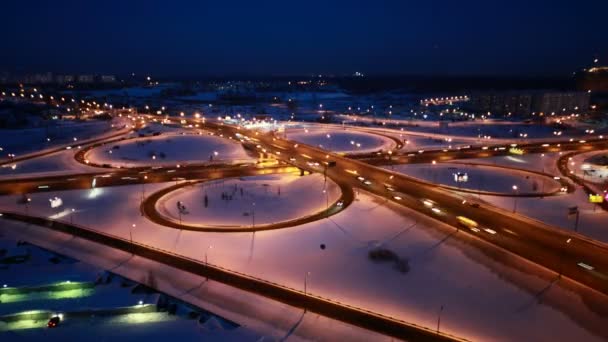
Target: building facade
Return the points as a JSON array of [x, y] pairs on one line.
[[525, 103]]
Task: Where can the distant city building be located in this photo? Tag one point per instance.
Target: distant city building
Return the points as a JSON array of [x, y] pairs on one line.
[[561, 102], [63, 79], [85, 78], [41, 78], [529, 102], [107, 78]]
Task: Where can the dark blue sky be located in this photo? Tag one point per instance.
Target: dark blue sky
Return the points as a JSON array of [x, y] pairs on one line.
[[289, 37]]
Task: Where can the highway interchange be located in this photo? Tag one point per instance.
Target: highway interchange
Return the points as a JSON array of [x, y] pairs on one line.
[[555, 249]]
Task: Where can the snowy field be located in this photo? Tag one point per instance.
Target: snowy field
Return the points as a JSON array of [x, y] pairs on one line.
[[542, 162], [593, 221], [43, 267], [552, 210], [250, 201], [479, 177], [169, 149], [506, 130], [23, 141], [341, 140], [503, 299], [59, 163], [260, 318], [586, 170]]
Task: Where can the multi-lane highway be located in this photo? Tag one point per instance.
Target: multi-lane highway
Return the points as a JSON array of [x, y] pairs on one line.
[[567, 253]]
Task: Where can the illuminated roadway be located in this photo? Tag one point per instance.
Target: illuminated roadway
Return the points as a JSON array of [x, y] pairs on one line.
[[567, 253]]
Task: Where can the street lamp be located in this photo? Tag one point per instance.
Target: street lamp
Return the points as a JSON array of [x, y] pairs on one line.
[[253, 215], [72, 216], [439, 318], [561, 257], [143, 192], [306, 275], [131, 237], [515, 198], [326, 192], [206, 263]]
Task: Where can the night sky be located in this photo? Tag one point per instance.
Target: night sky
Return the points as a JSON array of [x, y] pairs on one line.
[[271, 38]]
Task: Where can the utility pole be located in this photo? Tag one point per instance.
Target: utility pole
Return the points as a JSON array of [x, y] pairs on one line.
[[253, 215], [439, 318]]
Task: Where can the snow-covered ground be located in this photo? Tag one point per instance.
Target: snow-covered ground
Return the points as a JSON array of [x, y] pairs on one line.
[[593, 221], [552, 210], [341, 140], [480, 177], [169, 149], [43, 267], [542, 162], [479, 128], [260, 318], [250, 201], [586, 169], [507, 130], [23, 141], [482, 298], [59, 163]]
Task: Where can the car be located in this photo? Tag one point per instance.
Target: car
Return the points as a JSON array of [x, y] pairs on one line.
[[361, 179], [340, 203], [367, 182], [53, 322], [292, 159]]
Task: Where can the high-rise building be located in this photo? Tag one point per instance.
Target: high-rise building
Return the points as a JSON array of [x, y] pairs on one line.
[[528, 102]]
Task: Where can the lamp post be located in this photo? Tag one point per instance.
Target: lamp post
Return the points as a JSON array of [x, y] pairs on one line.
[[326, 192], [143, 190], [515, 198], [207, 263], [439, 318], [576, 212], [179, 212], [253, 215], [131, 237], [561, 257], [72, 216], [27, 202], [306, 287], [306, 282]]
